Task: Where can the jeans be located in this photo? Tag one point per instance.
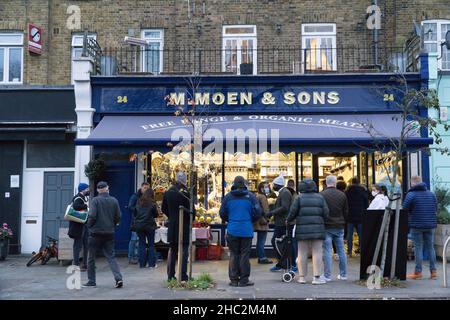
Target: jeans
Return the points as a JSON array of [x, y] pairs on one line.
[[336, 236], [424, 238], [172, 258], [278, 231], [132, 246], [239, 266], [106, 244], [350, 228], [78, 244], [145, 256], [260, 242]]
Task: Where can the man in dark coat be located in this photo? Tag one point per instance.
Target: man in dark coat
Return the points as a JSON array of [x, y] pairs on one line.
[[358, 202], [79, 231], [132, 256], [176, 196]]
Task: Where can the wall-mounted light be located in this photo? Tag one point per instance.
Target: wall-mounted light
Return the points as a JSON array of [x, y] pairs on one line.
[[199, 29], [278, 28]]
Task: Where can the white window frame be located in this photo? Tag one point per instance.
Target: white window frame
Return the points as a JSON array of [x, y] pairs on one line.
[[319, 35], [77, 44], [160, 41], [439, 39], [239, 37], [7, 46]]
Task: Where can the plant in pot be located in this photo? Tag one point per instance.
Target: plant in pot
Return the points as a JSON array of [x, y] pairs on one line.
[[5, 234], [443, 227], [95, 171]]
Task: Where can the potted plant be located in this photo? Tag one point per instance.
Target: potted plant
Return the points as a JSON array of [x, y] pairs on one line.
[[443, 227], [5, 234]]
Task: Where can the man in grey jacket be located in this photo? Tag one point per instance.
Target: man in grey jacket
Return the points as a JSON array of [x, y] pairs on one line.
[[104, 215], [334, 225], [280, 213]]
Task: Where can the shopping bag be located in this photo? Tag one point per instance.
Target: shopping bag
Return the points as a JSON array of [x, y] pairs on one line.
[[75, 216]]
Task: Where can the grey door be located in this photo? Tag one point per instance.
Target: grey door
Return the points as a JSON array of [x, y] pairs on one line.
[[58, 192]]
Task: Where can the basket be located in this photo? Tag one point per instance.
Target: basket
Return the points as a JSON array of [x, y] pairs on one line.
[[214, 252]]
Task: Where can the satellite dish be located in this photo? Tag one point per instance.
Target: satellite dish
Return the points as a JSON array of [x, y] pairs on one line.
[[447, 40]]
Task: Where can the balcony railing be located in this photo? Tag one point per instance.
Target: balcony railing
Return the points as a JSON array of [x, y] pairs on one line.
[[276, 60]]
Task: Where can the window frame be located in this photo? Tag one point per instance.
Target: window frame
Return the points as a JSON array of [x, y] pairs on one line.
[[239, 37], [160, 41], [320, 35], [7, 46], [75, 46], [439, 39]]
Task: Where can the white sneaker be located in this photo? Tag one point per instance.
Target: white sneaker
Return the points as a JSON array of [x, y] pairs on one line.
[[318, 281], [341, 277], [301, 280], [325, 278], [156, 266]]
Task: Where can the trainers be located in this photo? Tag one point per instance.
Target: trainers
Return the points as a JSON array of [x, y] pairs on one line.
[[89, 285], [119, 284], [433, 275], [343, 278], [294, 269], [233, 284], [265, 261], [133, 262], [154, 267], [322, 277], [318, 280], [301, 280], [414, 276], [246, 284], [275, 269]]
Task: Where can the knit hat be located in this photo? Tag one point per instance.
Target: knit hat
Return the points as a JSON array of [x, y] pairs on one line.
[[279, 181], [181, 178], [82, 186], [239, 183]]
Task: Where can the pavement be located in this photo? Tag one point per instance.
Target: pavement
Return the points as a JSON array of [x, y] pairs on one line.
[[17, 282]]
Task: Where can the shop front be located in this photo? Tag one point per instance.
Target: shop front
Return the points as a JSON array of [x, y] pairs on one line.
[[258, 127]]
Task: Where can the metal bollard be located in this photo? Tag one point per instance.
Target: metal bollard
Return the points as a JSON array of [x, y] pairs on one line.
[[444, 262]]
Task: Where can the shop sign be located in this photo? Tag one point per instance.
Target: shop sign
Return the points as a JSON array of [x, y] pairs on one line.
[[34, 39]]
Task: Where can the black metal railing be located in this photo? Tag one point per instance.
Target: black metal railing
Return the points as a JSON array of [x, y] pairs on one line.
[[276, 60]]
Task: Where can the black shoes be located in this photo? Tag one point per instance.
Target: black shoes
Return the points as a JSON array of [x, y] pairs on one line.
[[246, 284], [89, 285], [234, 284], [119, 284], [265, 261]]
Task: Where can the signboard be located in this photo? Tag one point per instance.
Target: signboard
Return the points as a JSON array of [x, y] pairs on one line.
[[14, 181], [34, 39]]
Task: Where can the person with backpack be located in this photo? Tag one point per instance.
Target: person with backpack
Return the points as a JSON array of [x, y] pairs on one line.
[[145, 226], [79, 231]]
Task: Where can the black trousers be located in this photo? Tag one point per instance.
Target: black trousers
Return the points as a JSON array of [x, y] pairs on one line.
[[278, 231], [78, 244], [239, 267], [172, 259]]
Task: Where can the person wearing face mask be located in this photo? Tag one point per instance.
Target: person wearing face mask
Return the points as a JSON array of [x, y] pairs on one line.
[[380, 200], [262, 225], [78, 231], [280, 212]]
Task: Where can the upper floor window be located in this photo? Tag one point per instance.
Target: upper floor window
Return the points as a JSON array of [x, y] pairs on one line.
[[239, 49], [152, 58], [434, 34], [11, 58], [77, 46], [319, 46]]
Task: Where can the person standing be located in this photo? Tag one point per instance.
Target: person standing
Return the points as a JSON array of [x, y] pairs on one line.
[[334, 226], [358, 202], [104, 215], [176, 196], [310, 211], [79, 231], [380, 200], [240, 208], [280, 212], [132, 208], [422, 207], [262, 225], [145, 225]]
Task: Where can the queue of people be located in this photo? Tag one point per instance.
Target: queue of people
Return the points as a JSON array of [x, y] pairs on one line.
[[316, 222]]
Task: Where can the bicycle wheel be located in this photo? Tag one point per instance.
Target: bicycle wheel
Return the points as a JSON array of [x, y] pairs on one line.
[[34, 258], [46, 255]]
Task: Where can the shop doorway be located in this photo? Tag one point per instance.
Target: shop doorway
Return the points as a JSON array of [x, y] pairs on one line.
[[342, 166]]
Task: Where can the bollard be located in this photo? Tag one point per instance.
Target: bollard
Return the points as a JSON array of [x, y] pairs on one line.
[[180, 243]]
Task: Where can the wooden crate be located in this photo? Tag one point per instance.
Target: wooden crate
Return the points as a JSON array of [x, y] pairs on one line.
[[65, 245]]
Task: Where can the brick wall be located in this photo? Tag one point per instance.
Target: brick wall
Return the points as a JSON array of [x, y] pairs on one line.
[[112, 19]]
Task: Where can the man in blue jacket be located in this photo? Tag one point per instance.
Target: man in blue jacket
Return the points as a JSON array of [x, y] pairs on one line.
[[240, 208], [422, 206]]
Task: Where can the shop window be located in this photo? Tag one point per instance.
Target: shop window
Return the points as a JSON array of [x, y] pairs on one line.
[[77, 47], [239, 49], [305, 166], [152, 57], [319, 46], [51, 154], [434, 35], [11, 58], [342, 167], [383, 166]]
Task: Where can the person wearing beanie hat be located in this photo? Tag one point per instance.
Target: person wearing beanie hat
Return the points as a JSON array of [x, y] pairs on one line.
[[280, 212], [240, 209], [181, 178], [78, 231]]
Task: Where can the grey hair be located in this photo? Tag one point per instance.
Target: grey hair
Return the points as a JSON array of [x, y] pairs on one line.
[[331, 181]]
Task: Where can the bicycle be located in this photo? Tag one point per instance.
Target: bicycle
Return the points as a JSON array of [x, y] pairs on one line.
[[45, 253]]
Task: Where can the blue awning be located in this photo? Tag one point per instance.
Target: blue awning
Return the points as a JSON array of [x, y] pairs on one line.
[[297, 132]]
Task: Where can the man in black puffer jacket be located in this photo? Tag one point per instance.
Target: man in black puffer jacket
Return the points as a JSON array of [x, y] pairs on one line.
[[358, 202], [310, 211]]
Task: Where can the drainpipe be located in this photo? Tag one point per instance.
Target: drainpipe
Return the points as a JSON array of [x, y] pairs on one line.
[[375, 39]]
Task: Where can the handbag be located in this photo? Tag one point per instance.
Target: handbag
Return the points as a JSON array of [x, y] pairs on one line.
[[74, 215]]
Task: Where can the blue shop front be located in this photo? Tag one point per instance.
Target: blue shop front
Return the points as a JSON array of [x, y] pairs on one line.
[[306, 126]]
